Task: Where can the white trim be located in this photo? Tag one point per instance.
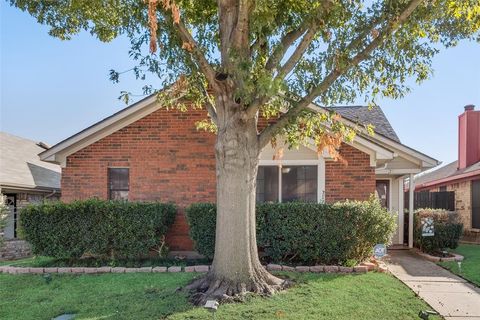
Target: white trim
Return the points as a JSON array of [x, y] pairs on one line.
[[410, 209], [428, 161], [320, 163], [101, 129], [379, 144], [401, 217], [396, 171]]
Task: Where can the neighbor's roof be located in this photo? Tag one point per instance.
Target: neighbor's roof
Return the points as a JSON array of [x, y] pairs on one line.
[[445, 174], [22, 168], [364, 115]]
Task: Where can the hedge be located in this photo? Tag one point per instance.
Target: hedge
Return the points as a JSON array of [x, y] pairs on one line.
[[342, 233], [95, 227], [447, 230]]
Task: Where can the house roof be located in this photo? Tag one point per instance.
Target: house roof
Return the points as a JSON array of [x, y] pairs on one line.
[[445, 174], [21, 166], [385, 138], [364, 115]]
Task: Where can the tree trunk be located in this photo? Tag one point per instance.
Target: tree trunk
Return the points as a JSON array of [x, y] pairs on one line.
[[236, 267]]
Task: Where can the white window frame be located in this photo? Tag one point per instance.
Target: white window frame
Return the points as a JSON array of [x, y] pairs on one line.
[[320, 163]]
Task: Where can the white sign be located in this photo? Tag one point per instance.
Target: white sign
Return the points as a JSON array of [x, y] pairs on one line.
[[428, 229], [379, 251]]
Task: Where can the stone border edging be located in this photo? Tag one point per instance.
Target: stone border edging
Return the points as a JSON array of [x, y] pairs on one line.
[[362, 268], [455, 258]]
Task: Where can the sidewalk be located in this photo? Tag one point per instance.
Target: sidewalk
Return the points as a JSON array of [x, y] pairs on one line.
[[451, 296]]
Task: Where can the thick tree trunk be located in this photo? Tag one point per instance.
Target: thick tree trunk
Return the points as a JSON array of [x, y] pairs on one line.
[[236, 267]]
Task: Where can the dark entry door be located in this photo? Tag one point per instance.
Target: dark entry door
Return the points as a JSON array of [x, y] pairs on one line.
[[383, 192], [476, 204], [11, 228]]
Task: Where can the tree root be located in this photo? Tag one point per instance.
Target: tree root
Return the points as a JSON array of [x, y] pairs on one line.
[[210, 287]]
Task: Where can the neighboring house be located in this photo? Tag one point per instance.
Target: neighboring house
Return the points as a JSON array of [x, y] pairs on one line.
[[24, 179], [145, 152], [461, 176]]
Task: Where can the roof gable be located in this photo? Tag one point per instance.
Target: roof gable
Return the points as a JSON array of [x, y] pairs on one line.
[[378, 143]]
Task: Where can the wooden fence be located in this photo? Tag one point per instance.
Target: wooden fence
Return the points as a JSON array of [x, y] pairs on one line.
[[435, 200]]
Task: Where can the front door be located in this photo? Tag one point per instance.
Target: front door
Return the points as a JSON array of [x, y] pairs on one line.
[[382, 192], [476, 204], [11, 227]]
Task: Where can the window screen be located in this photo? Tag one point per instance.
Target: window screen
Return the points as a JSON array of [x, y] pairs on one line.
[[267, 184], [118, 183], [299, 183]]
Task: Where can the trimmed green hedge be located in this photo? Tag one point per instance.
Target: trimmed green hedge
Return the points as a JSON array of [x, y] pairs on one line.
[[447, 230], [342, 233], [95, 227]]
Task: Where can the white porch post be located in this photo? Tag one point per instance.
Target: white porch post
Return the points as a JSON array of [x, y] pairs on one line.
[[411, 192]]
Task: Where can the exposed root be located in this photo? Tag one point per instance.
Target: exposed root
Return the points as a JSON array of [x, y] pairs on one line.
[[210, 287]]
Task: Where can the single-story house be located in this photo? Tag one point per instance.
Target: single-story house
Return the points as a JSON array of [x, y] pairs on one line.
[[461, 176], [145, 152], [24, 179]]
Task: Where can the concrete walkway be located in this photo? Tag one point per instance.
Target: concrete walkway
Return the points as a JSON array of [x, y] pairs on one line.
[[451, 296]]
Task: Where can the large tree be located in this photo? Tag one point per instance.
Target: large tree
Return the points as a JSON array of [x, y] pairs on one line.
[[245, 59]]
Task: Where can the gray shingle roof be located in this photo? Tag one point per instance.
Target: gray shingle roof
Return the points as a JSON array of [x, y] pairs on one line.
[[364, 116], [20, 165]]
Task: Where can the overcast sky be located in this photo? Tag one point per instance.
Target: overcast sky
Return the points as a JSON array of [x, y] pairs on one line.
[[52, 89]]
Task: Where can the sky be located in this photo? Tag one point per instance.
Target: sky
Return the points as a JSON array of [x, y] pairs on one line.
[[51, 89]]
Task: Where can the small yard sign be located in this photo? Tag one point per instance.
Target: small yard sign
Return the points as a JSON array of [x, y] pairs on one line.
[[379, 251], [428, 229]]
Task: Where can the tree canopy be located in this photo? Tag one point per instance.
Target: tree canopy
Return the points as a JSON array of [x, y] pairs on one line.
[[276, 55]]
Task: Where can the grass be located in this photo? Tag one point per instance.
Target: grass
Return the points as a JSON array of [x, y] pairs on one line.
[[154, 296], [40, 261], [470, 269]]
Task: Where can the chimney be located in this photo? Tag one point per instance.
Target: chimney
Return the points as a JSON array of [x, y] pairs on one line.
[[468, 137]]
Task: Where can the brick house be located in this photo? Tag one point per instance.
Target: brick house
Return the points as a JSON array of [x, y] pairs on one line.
[[461, 176], [145, 152], [24, 179]]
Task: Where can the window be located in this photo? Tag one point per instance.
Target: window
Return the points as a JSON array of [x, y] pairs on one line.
[[118, 183], [297, 183], [267, 184]]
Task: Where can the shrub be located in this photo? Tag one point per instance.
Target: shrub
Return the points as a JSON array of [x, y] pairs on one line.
[[341, 233], [447, 230], [95, 227]]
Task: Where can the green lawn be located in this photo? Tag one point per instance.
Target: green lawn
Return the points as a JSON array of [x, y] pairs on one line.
[[154, 296], [471, 264], [40, 261]]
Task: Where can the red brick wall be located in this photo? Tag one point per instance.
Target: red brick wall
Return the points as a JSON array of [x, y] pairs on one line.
[[170, 160], [354, 181]]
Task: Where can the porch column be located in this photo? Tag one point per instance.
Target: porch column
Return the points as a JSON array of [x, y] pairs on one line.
[[411, 192]]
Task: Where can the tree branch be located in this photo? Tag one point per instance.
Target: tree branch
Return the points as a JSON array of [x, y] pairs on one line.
[[294, 111], [288, 39], [298, 53], [197, 54]]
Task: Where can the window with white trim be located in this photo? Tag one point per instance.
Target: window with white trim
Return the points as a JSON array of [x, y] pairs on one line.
[[287, 183], [118, 183]]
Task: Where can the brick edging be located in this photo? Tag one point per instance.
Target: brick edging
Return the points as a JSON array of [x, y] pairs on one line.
[[363, 268], [455, 258]]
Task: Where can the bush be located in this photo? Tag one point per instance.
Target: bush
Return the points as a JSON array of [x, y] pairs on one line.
[[95, 227], [342, 233], [447, 230]]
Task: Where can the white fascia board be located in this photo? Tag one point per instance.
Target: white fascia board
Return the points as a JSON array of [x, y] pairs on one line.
[[396, 171], [430, 162], [100, 130]]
